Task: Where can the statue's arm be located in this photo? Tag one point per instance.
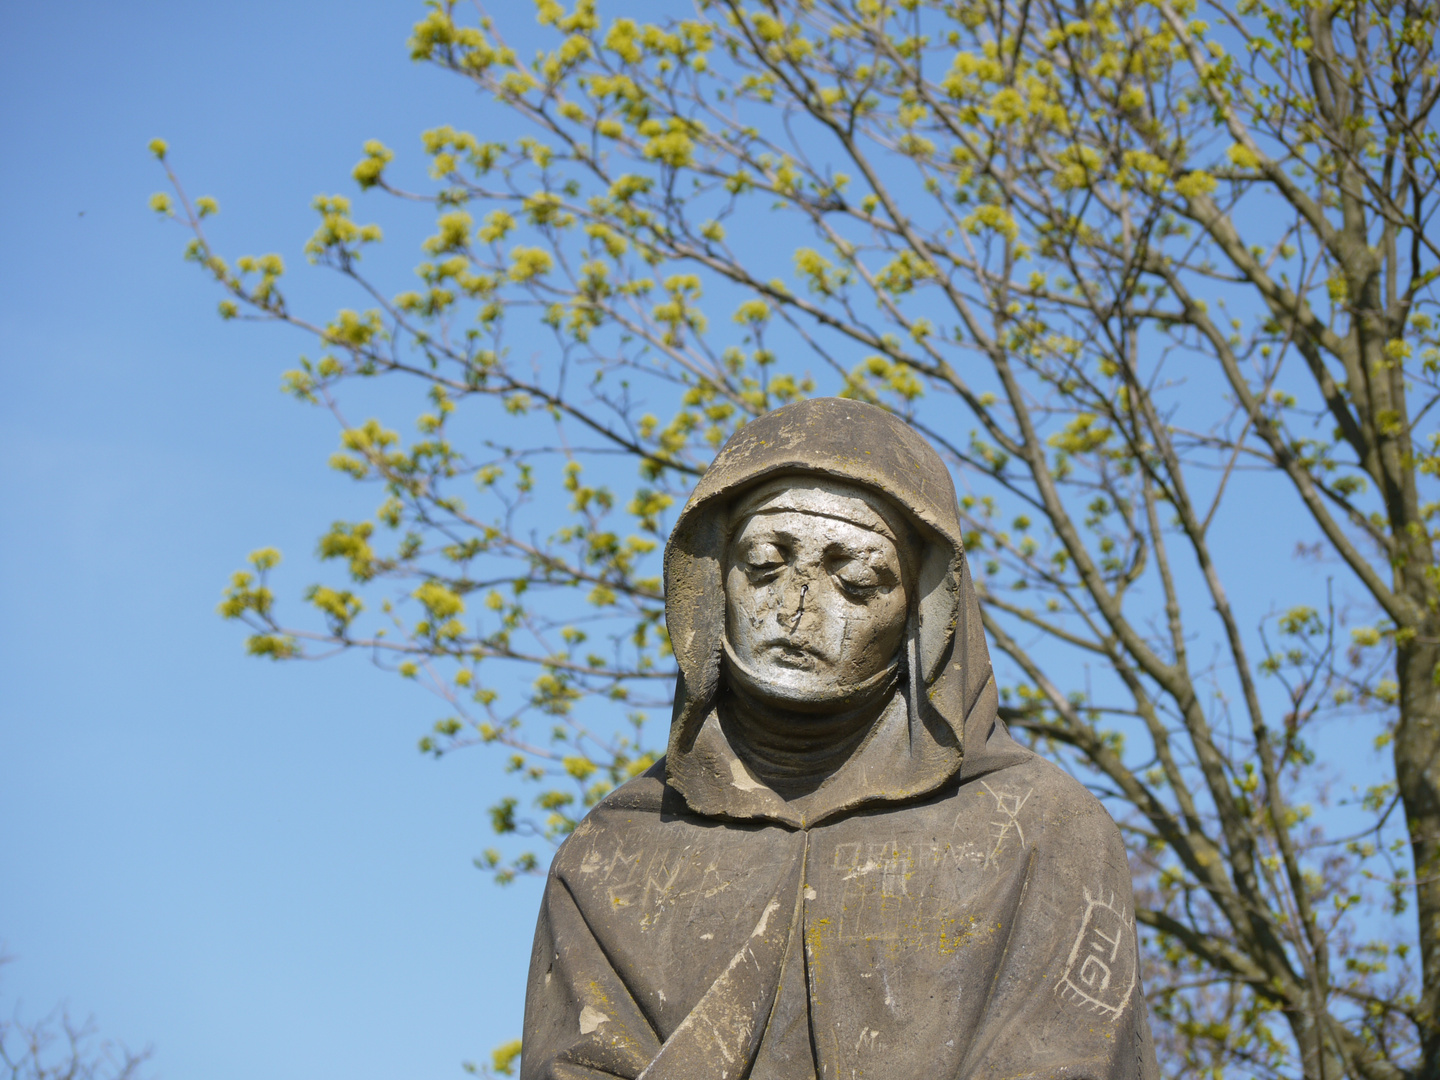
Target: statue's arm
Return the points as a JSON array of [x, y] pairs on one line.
[[1067, 1002], [719, 1037], [581, 1022]]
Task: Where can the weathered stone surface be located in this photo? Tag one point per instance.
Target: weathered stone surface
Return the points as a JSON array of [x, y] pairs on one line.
[[844, 866]]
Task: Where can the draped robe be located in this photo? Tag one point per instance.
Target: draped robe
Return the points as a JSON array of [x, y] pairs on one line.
[[945, 905]]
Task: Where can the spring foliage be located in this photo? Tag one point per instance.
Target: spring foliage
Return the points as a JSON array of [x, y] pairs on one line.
[[1137, 267]]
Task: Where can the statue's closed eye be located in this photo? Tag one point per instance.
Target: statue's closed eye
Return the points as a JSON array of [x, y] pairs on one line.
[[858, 575], [762, 561], [857, 579]]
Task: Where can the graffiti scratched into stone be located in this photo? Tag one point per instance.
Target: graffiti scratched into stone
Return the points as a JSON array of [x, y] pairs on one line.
[[1100, 972], [1008, 805]]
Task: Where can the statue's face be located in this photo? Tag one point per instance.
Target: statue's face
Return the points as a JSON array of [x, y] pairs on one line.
[[815, 603]]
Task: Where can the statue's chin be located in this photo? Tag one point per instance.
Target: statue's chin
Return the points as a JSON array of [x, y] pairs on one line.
[[815, 691]]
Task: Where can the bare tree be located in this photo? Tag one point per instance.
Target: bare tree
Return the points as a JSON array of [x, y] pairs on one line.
[[55, 1047]]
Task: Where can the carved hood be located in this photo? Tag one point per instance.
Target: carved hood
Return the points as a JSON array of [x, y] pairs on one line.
[[948, 728]]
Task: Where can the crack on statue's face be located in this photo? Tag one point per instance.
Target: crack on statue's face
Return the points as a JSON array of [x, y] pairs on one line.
[[816, 601]]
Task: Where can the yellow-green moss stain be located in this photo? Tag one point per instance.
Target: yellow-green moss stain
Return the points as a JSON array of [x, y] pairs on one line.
[[956, 932], [815, 951], [597, 994]]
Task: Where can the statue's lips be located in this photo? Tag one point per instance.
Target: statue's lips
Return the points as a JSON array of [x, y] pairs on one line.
[[787, 652]]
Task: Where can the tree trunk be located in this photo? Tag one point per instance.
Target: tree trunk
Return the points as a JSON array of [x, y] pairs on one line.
[[1417, 772], [1319, 1056]]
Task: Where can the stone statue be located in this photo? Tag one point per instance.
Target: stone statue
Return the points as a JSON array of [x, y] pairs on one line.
[[844, 866]]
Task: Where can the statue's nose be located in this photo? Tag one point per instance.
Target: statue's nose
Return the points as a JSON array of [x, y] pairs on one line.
[[793, 608]]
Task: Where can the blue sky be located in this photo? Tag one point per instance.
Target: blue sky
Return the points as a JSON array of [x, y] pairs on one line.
[[247, 865]]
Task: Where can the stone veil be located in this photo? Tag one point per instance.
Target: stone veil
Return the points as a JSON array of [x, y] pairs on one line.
[[939, 902]]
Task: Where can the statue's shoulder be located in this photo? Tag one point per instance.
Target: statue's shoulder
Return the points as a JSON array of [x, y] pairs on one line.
[[646, 793], [634, 806], [1037, 794]]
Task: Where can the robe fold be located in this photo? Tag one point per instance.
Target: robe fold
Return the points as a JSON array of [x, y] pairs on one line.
[[945, 906]]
